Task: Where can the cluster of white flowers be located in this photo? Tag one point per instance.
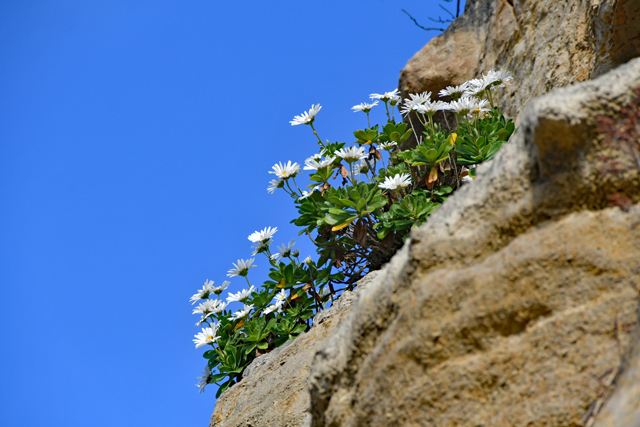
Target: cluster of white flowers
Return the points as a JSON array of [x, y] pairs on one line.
[[466, 97], [208, 309], [470, 98], [209, 289]]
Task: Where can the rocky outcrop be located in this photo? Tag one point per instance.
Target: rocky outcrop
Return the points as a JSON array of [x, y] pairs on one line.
[[517, 303], [544, 44], [273, 390]]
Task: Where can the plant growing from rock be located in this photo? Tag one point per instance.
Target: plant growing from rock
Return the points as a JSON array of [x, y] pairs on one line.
[[360, 205]]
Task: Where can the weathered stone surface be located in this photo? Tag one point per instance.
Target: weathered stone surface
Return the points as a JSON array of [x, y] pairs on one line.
[[544, 44], [273, 391], [517, 303], [623, 408]]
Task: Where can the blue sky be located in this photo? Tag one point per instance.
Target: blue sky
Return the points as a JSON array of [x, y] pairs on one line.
[[135, 141]]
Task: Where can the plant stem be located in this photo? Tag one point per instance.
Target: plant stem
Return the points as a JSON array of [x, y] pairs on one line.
[[316, 134]]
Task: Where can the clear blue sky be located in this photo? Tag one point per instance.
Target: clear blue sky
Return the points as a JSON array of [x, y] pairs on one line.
[[135, 140]]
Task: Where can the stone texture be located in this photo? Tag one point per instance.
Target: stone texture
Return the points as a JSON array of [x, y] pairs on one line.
[[544, 44], [273, 391], [517, 303]]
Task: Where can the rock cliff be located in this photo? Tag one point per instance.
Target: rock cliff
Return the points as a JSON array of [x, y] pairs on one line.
[[544, 44], [517, 303]]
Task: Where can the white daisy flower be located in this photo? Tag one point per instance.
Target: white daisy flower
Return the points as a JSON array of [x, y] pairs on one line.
[[241, 296], [314, 165], [260, 247], [285, 171], [263, 235], [415, 101], [285, 250], [430, 108], [454, 91], [203, 293], [394, 182], [262, 239], [491, 79], [206, 336], [388, 145], [240, 314], [306, 118], [466, 106], [497, 78], [306, 194], [385, 97], [364, 107], [475, 88], [466, 178], [242, 268], [276, 257], [351, 154], [218, 289], [281, 297], [209, 307], [204, 379], [274, 184], [317, 156], [308, 260], [361, 167], [271, 309]]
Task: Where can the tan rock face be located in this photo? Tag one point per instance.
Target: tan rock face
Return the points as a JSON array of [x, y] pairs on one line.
[[517, 303], [543, 44]]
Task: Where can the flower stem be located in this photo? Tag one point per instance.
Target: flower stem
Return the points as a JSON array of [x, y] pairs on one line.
[[386, 105], [490, 97], [287, 184], [316, 134]]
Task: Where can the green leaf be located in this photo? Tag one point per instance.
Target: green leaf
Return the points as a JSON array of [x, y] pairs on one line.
[[216, 378], [299, 329]]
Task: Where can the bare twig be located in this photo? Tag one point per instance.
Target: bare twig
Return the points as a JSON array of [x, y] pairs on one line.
[[416, 22], [447, 10], [439, 20]]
